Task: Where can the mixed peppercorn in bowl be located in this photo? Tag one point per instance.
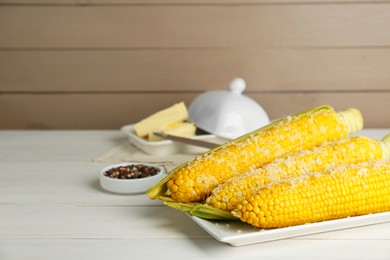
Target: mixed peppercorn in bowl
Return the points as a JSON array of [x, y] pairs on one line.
[[131, 177]]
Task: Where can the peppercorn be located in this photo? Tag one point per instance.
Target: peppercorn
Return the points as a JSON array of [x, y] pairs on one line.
[[133, 171]]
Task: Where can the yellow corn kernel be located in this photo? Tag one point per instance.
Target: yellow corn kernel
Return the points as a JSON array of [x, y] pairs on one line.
[[343, 191], [302, 131], [330, 154]]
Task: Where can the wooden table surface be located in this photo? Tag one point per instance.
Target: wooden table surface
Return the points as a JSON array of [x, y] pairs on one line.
[[52, 207]]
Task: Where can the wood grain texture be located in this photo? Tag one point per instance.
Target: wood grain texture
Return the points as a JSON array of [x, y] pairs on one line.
[[177, 2], [298, 248], [50, 209], [194, 70], [111, 111], [181, 26], [102, 64]]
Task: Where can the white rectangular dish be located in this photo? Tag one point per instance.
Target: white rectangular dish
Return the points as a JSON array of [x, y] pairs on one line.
[[237, 233], [167, 146]]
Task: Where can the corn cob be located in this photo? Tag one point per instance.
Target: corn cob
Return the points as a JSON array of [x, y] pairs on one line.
[[330, 154], [194, 180], [343, 191]]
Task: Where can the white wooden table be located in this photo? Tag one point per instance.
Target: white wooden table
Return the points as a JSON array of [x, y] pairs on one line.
[[52, 207]]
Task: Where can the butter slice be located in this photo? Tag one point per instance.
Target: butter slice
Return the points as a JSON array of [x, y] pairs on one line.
[[184, 129], [161, 119]]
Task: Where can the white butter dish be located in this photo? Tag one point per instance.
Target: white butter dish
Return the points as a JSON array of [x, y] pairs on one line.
[[165, 147]]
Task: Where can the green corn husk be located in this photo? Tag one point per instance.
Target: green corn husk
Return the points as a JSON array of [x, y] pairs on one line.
[[208, 212], [185, 207], [201, 211]]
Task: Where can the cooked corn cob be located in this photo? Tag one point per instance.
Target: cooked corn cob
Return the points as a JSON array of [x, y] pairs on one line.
[[194, 180], [344, 191], [330, 154]]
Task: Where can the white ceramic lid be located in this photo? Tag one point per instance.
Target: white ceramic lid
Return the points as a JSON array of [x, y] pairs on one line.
[[227, 114]]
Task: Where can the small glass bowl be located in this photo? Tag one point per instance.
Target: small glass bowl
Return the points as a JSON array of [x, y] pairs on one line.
[[130, 186]]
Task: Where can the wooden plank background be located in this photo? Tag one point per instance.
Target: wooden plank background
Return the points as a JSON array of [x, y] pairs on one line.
[[101, 64]]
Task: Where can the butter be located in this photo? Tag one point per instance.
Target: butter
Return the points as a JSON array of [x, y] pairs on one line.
[[160, 120], [183, 129]]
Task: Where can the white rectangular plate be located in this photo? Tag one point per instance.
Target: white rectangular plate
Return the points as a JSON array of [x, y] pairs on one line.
[[237, 233]]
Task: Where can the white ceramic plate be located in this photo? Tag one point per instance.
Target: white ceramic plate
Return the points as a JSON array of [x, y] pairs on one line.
[[237, 233], [167, 146]]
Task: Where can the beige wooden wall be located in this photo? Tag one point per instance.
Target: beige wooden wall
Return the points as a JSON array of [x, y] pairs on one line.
[[100, 64]]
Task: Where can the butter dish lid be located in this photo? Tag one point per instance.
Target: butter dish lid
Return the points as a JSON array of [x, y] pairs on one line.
[[227, 113]]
